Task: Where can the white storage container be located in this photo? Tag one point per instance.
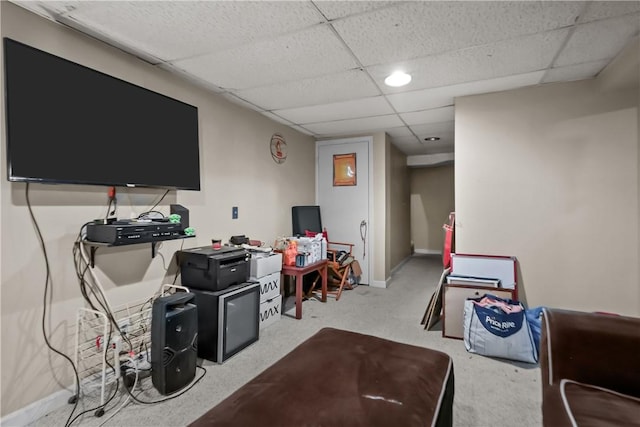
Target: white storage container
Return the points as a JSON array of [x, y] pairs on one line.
[[316, 251], [269, 286], [263, 264], [270, 311]]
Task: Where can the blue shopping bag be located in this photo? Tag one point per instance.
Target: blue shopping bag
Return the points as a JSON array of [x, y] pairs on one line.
[[534, 317], [498, 327]]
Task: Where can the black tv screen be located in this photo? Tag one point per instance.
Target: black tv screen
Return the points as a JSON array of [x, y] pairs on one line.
[[67, 123], [305, 218]]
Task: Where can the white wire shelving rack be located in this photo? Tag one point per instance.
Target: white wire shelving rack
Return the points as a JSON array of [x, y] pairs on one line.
[[103, 339]]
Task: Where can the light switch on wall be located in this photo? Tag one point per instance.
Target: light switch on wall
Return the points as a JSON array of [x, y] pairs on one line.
[[234, 212]]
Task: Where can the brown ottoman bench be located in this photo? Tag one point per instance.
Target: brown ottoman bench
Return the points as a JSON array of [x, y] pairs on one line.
[[341, 378]]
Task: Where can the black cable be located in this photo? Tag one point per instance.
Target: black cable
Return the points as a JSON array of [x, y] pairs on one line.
[[78, 260], [161, 198], [109, 208], [147, 213], [177, 263], [111, 317], [44, 309], [173, 396], [115, 206], [97, 407], [115, 391]]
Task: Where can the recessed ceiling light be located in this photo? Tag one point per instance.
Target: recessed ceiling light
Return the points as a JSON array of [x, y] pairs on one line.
[[432, 138], [397, 79]]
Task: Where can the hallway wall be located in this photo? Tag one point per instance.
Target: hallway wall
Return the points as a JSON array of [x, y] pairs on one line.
[[432, 199]]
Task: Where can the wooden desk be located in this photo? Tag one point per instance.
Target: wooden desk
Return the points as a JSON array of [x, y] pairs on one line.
[[299, 272]]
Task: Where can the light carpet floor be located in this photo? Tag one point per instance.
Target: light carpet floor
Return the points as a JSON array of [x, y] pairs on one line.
[[488, 392]]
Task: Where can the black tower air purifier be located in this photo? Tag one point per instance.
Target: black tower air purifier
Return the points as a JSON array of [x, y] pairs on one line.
[[174, 337]]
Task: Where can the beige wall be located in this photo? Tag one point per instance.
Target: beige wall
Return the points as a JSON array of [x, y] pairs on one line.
[[380, 236], [549, 174], [623, 74], [399, 223], [237, 170], [432, 199]]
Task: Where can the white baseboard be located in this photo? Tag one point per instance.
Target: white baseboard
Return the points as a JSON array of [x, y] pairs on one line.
[[378, 284], [36, 410], [427, 252], [400, 264]]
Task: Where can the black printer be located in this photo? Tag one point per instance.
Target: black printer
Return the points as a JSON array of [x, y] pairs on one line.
[[212, 269]]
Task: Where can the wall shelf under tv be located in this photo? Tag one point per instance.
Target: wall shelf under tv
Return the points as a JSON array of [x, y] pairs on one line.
[[93, 246]]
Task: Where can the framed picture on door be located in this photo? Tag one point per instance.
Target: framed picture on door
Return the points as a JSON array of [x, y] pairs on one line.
[[344, 170]]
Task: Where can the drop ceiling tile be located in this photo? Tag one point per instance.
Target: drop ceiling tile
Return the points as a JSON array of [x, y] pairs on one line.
[[405, 140], [444, 96], [409, 147], [416, 29], [574, 72], [608, 9], [302, 130], [517, 56], [446, 139], [178, 29], [442, 130], [599, 40], [189, 77], [444, 145], [400, 132], [339, 9], [438, 148], [320, 90], [375, 106], [309, 53], [276, 118], [352, 126], [406, 143], [51, 9], [241, 102], [434, 115], [411, 150]]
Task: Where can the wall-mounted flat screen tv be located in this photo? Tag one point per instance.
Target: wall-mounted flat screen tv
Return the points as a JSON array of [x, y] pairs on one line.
[[70, 124]]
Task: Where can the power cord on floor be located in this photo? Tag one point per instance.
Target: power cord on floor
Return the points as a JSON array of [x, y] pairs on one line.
[[173, 396], [103, 407], [135, 382]]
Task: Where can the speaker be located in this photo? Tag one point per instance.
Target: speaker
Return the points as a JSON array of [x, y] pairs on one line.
[[174, 338], [183, 212]]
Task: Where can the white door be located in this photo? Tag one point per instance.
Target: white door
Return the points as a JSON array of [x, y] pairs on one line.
[[344, 205]]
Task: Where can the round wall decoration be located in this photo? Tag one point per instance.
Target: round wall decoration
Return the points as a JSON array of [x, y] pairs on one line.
[[278, 148]]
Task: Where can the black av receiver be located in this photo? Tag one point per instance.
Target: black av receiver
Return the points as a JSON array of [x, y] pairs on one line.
[[134, 232]]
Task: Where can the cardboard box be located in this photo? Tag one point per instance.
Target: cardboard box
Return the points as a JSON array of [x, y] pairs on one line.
[[269, 286], [263, 264], [270, 311], [311, 247]]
